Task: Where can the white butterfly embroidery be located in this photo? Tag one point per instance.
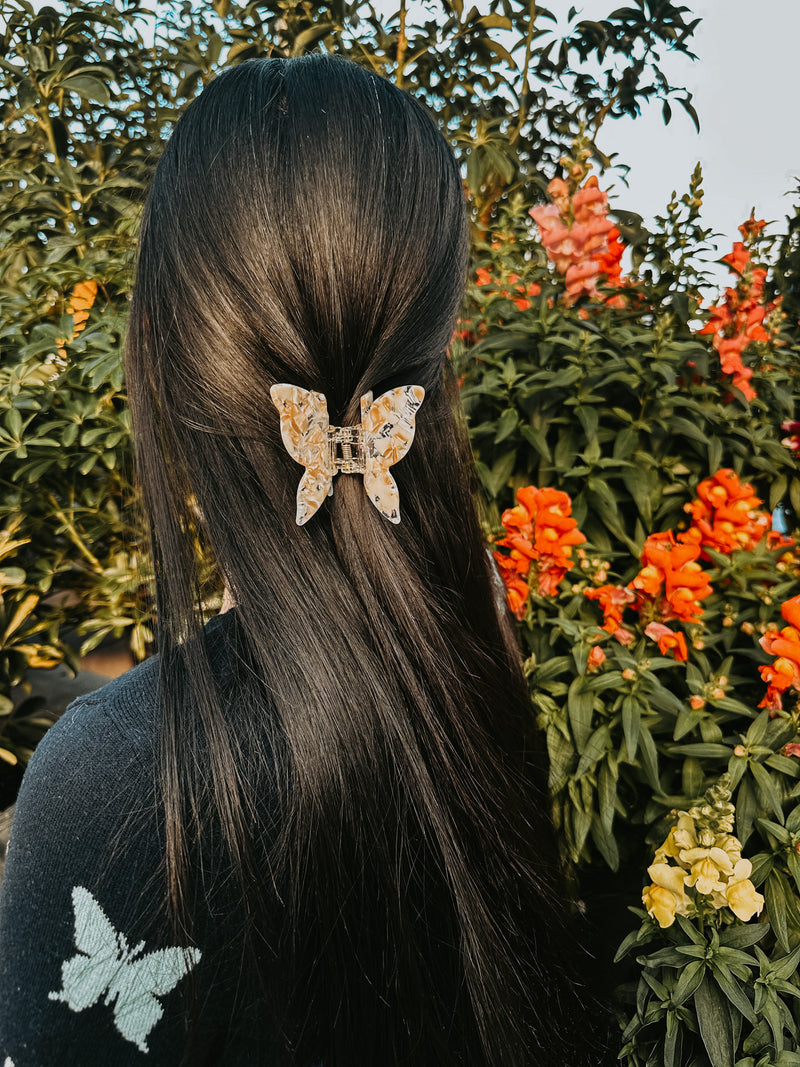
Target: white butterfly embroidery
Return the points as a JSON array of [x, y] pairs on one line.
[[105, 964]]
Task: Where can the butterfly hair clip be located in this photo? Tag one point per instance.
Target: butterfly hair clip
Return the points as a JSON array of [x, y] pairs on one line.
[[383, 438]]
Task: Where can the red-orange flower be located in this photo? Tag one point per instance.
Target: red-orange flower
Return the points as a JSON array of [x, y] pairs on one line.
[[613, 601], [784, 673], [726, 515], [738, 320], [79, 305], [672, 568], [668, 640], [579, 238], [751, 229], [737, 259], [519, 293], [540, 534], [597, 658], [790, 610]]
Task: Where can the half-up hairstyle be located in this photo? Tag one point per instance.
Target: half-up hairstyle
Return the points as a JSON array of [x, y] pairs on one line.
[[402, 902]]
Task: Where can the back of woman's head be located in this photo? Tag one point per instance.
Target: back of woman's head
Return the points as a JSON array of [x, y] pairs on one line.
[[306, 224]]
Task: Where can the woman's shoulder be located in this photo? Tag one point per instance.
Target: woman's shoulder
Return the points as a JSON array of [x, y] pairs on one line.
[[120, 718], [80, 906]]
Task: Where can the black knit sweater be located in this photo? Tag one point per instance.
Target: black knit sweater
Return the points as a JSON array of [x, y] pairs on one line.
[[87, 976]]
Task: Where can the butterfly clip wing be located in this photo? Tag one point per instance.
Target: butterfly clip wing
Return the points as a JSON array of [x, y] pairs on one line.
[[304, 429], [387, 430], [388, 425]]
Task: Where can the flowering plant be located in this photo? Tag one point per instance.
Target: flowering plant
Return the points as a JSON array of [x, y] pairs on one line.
[[707, 873], [656, 611], [702, 996], [742, 317]]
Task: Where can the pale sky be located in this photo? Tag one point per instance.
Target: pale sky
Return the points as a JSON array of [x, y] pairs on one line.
[[746, 90]]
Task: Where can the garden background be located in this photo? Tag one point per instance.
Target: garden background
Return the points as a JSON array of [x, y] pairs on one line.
[[634, 433]]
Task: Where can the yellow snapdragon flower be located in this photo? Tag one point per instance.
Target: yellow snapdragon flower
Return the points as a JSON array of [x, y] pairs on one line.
[[742, 898], [707, 859], [666, 897]]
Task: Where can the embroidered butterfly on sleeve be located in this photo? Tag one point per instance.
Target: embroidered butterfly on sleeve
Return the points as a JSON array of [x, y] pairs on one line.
[[105, 964]]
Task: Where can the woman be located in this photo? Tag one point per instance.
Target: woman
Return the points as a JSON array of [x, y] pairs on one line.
[[314, 830]]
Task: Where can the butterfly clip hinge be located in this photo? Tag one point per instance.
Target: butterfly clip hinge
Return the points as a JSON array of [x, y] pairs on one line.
[[385, 435]]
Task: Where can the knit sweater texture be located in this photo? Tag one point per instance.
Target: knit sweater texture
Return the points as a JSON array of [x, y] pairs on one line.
[[87, 975]]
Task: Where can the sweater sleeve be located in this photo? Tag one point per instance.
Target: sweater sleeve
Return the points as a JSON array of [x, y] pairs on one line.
[[84, 977]]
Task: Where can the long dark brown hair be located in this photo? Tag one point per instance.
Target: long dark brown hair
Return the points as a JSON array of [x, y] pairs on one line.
[[402, 901]]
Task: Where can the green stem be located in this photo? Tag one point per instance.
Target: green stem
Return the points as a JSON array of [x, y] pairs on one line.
[[402, 45], [73, 535], [523, 98]]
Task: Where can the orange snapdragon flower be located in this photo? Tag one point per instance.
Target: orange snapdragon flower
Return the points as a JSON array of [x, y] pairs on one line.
[[519, 293], [671, 571], [613, 600], [579, 238], [738, 320], [540, 535], [79, 305], [726, 515], [668, 640], [597, 658], [784, 673]]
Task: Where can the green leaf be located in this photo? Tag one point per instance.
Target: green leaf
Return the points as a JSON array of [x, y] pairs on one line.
[[594, 750], [762, 865], [746, 807], [606, 795], [497, 479], [580, 704], [743, 936], [13, 422], [793, 820], [507, 424], [606, 843], [780, 833], [715, 1023], [679, 425], [631, 719], [767, 789], [757, 729], [87, 87], [561, 758], [702, 749], [776, 909], [786, 966], [733, 990], [777, 491], [692, 777], [649, 758], [691, 977]]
